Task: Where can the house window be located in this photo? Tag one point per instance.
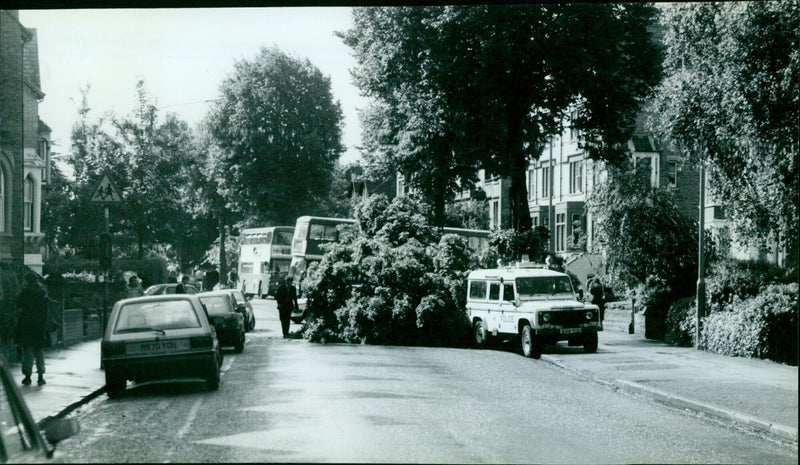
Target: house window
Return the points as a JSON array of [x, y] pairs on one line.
[[495, 214], [561, 231], [576, 176], [531, 184], [535, 221], [27, 200], [545, 181], [672, 173], [577, 230], [644, 167], [573, 133]]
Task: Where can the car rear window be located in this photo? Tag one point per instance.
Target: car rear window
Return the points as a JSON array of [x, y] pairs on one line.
[[216, 305], [165, 314]]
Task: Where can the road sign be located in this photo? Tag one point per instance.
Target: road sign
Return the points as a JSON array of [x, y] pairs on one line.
[[105, 192]]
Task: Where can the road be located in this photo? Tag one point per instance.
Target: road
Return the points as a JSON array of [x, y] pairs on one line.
[[286, 400]]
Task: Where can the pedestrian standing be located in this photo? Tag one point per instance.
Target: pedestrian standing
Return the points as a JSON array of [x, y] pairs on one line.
[[286, 296], [181, 288], [597, 290], [32, 327], [134, 287]]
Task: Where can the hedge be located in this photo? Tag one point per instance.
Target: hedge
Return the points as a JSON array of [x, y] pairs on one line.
[[152, 270], [764, 326]]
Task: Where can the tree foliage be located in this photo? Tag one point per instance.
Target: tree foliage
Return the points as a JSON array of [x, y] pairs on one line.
[[278, 130], [644, 236], [458, 88], [730, 95], [147, 160]]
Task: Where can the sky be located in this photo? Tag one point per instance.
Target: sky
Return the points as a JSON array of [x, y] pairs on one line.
[[183, 55]]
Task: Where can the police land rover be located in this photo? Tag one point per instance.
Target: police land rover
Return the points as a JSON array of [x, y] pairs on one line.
[[531, 304]]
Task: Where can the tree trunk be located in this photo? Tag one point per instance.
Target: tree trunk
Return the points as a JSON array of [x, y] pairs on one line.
[[518, 192]]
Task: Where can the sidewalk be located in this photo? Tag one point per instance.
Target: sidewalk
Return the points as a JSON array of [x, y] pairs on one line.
[[759, 394], [73, 378]]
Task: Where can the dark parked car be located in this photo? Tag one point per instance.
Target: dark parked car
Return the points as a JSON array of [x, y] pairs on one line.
[[22, 439], [244, 307], [159, 337], [168, 288], [229, 323]]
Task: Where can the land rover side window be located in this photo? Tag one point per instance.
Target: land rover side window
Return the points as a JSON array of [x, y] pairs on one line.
[[494, 291], [477, 290], [508, 292]]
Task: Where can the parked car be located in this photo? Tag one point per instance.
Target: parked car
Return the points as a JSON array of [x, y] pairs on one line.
[[169, 288], [222, 313], [159, 337], [244, 307], [532, 305], [22, 440]]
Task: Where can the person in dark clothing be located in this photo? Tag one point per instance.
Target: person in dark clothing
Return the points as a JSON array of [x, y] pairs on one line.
[[286, 296], [212, 279], [32, 327], [181, 288], [597, 290]]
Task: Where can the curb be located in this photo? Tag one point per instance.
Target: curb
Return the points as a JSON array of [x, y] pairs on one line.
[[781, 431], [74, 405]]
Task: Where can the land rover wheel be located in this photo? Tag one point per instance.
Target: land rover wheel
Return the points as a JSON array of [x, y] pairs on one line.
[[590, 343], [530, 344], [480, 334]]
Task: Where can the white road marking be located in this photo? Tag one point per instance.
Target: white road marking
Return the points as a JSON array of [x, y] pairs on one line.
[[192, 414]]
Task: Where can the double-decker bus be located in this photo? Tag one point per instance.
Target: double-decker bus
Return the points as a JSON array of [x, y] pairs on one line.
[[265, 255], [310, 233], [478, 239]]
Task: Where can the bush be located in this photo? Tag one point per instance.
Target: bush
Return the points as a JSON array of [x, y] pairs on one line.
[[764, 326], [681, 322], [152, 270], [738, 278]]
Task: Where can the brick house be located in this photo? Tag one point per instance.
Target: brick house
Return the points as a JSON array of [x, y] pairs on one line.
[[24, 145]]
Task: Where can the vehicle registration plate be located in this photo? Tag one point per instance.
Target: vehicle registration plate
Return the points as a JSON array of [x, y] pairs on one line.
[[570, 330], [158, 347]]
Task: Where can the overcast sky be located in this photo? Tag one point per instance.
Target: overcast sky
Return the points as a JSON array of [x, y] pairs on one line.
[[183, 56]]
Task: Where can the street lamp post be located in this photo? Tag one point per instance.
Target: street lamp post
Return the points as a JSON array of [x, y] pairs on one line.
[[701, 283]]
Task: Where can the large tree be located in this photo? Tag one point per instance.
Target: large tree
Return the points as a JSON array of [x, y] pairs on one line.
[[278, 130], [730, 98], [463, 87]]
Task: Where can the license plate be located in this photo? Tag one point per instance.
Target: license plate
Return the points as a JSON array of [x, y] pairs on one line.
[[570, 330], [157, 347]]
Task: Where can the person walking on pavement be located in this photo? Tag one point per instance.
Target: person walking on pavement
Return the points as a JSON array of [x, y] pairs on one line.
[[597, 290], [32, 327], [286, 296]]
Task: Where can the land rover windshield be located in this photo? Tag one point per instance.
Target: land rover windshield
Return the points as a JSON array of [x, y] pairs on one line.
[[543, 286]]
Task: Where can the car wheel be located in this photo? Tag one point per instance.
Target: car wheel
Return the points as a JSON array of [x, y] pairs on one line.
[[480, 334], [212, 381], [590, 343], [115, 386], [239, 346], [530, 344]]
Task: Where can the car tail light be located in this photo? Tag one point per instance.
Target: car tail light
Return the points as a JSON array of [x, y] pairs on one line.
[[201, 342], [110, 348]]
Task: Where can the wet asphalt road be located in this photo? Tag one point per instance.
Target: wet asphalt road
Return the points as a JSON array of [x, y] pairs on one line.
[[290, 401]]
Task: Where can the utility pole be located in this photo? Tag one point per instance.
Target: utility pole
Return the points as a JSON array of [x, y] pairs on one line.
[[701, 283]]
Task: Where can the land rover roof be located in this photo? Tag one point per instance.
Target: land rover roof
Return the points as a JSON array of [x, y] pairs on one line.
[[509, 274]]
